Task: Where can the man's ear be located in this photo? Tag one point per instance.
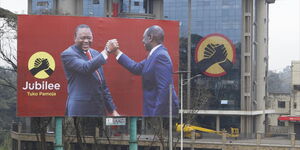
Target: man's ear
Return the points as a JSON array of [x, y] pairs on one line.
[[150, 37]]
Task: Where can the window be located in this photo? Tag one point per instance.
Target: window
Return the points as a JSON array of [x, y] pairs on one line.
[[96, 2], [297, 87], [280, 123], [295, 105], [136, 3], [281, 104], [43, 3]]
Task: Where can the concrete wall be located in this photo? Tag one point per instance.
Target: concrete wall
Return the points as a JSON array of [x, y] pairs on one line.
[[296, 103], [226, 144], [295, 72], [274, 98], [69, 7], [296, 91]]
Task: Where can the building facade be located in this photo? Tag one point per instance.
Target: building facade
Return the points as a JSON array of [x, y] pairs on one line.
[[236, 99], [280, 102], [293, 118]]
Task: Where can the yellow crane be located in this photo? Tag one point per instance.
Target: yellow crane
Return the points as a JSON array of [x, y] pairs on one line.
[[187, 129]]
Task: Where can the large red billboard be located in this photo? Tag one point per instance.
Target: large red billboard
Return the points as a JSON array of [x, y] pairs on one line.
[[44, 77]]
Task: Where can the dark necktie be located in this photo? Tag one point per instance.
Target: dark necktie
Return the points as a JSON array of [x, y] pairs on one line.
[[88, 54]]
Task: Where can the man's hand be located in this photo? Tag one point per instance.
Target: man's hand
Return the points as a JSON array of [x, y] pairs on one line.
[[216, 53], [41, 64], [112, 46]]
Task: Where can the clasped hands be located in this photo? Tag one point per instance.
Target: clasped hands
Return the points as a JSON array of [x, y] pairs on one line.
[[112, 47]]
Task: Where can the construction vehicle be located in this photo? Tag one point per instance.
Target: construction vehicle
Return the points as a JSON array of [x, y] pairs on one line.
[[189, 129]]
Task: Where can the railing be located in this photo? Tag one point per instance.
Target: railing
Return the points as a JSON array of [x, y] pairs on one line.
[[137, 15], [278, 130]]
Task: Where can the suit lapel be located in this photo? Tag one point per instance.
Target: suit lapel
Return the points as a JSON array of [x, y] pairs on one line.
[[80, 53], [151, 59], [84, 57]]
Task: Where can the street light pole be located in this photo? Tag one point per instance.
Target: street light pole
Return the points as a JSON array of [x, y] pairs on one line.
[[181, 105], [189, 54], [181, 112]]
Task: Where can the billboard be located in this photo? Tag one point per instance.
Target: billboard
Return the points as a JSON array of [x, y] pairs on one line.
[[55, 77]]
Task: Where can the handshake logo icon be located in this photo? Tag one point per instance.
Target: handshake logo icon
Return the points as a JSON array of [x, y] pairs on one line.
[[41, 65], [215, 55]]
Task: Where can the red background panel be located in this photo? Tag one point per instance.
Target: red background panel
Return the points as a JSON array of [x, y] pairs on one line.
[[54, 34]]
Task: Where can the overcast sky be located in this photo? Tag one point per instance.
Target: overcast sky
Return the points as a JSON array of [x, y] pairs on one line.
[[284, 33], [284, 30]]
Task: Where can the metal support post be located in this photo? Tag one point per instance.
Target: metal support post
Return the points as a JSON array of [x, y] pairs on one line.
[[189, 51], [58, 133], [133, 142], [181, 111], [170, 118]]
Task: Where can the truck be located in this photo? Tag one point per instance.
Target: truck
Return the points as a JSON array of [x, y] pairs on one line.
[[189, 129]]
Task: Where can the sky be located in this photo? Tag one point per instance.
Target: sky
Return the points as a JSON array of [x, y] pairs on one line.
[[16, 6], [284, 33], [284, 30]]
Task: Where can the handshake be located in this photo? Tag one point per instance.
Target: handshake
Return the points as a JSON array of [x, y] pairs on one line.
[[41, 64], [112, 46]]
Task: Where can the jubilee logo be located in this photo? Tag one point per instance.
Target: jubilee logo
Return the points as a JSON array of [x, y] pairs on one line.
[[41, 65], [215, 55]]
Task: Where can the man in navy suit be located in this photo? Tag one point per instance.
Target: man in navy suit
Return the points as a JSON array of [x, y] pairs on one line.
[[88, 94], [156, 72]]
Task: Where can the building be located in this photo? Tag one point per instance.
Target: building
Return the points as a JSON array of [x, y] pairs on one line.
[[236, 99], [149, 9], [280, 102], [293, 119]]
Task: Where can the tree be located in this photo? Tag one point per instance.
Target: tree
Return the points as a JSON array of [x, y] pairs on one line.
[[8, 37], [279, 82], [8, 70], [8, 67]]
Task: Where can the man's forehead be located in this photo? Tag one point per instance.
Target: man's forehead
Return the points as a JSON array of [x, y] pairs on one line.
[[145, 33], [84, 30]]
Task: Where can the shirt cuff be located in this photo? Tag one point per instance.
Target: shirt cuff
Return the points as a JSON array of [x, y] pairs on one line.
[[104, 55], [119, 55]]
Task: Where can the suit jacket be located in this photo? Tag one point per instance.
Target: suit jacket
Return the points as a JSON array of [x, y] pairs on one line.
[[156, 72], [86, 96]]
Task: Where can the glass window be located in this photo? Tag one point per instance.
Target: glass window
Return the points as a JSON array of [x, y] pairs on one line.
[[43, 3], [280, 123], [96, 2], [281, 104], [210, 16], [136, 3]]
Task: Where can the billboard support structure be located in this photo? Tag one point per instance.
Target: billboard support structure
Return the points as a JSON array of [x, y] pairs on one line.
[[58, 133], [133, 141], [170, 118]]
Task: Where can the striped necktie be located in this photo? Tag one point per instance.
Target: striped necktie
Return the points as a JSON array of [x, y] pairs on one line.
[[88, 54]]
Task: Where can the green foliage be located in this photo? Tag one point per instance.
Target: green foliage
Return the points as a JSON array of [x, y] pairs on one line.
[[7, 100], [7, 142], [279, 82]]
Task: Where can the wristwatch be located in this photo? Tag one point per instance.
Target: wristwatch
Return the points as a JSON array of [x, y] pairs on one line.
[[107, 50]]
